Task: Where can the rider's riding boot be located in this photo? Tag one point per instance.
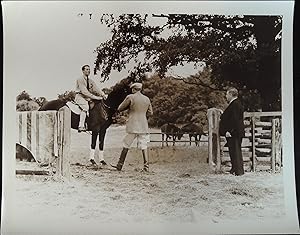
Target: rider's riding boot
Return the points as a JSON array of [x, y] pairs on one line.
[[82, 121], [101, 158], [92, 156], [121, 159], [146, 159]]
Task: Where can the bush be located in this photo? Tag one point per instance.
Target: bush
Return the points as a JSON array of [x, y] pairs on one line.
[[27, 105]]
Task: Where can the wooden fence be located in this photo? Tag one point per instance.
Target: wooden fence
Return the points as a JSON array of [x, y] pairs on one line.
[[261, 146], [170, 140], [46, 134]]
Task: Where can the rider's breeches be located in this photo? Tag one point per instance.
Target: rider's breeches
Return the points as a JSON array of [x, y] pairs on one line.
[[82, 102], [142, 140]]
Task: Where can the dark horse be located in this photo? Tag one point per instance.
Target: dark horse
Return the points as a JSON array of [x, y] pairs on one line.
[[193, 130], [97, 122], [170, 130]]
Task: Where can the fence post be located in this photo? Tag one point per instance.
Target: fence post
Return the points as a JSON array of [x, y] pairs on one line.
[[276, 145], [214, 145], [64, 136], [253, 143]]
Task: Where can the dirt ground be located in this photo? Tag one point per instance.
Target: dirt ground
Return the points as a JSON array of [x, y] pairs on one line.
[[179, 188]]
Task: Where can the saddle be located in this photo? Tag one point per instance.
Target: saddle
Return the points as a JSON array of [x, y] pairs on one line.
[[75, 108]]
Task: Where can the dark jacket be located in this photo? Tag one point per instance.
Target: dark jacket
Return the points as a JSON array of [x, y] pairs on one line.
[[232, 120]]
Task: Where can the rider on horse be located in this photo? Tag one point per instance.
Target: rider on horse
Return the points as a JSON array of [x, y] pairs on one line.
[[86, 90]]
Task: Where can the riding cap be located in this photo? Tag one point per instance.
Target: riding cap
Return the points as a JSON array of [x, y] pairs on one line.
[[137, 85]]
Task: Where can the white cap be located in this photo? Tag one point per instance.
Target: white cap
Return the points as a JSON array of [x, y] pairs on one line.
[[137, 85]]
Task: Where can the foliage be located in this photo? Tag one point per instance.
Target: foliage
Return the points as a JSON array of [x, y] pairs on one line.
[[67, 96], [23, 96], [183, 101], [40, 100], [241, 50], [176, 101], [27, 105]]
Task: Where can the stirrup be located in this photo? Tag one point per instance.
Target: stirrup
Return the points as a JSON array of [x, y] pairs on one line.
[[81, 129]]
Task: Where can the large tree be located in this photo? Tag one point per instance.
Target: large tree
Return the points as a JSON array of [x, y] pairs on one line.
[[240, 50]]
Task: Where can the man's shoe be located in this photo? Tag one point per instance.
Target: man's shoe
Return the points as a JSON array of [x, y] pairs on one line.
[[103, 163], [118, 168], [93, 161]]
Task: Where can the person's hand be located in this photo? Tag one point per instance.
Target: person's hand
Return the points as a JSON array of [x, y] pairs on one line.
[[105, 96], [221, 111], [228, 134], [100, 98]]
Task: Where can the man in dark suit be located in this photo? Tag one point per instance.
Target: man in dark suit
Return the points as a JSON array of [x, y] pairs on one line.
[[232, 127]]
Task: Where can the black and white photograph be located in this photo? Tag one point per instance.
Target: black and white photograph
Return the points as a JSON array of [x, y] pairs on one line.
[[148, 118]]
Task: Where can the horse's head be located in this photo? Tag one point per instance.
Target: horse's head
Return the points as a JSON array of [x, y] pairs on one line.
[[179, 134], [118, 93]]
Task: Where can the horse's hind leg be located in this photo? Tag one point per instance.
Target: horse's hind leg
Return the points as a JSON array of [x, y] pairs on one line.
[[93, 146]]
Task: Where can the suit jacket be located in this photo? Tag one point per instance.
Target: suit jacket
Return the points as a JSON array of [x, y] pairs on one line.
[[88, 94], [232, 120], [139, 106]]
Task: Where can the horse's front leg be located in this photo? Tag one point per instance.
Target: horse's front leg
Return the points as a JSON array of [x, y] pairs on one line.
[[93, 146], [102, 133], [167, 140], [174, 138], [196, 140]]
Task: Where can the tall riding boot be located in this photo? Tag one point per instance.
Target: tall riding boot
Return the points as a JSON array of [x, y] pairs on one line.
[[146, 159], [122, 159]]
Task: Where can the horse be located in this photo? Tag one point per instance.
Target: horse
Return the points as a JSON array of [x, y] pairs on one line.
[[170, 130], [100, 115], [193, 130]]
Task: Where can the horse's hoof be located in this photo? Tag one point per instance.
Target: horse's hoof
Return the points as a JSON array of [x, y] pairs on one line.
[[93, 161], [102, 162]]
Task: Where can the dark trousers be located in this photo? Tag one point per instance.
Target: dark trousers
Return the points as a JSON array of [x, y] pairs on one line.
[[235, 153]]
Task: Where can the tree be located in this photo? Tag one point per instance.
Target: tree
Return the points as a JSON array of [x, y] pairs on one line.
[[23, 96], [176, 101], [40, 100], [243, 51], [67, 96], [27, 105]]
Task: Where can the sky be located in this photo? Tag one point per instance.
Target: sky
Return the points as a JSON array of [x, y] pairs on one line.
[[48, 42]]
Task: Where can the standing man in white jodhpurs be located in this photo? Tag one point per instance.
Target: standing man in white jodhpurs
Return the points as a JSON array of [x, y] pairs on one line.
[[139, 107]]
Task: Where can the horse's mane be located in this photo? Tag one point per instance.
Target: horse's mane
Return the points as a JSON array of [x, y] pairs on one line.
[[121, 84], [118, 93]]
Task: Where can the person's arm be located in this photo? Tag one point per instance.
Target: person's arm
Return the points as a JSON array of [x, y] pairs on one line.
[[234, 119], [125, 104], [84, 91], [96, 89], [150, 110]]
